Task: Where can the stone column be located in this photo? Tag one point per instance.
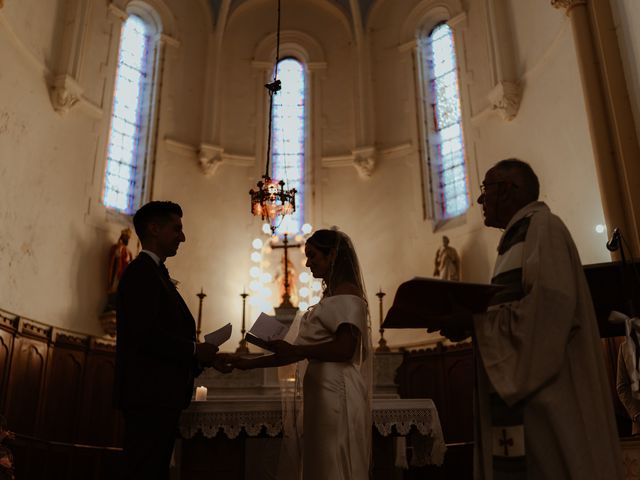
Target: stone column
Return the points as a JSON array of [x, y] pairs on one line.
[[617, 202]]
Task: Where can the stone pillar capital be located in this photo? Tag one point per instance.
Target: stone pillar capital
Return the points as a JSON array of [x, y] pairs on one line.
[[210, 158], [567, 4]]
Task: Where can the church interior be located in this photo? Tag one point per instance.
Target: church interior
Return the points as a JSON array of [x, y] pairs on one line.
[[391, 113]]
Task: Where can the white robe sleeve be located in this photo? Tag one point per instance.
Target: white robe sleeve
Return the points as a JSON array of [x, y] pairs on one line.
[[523, 344]]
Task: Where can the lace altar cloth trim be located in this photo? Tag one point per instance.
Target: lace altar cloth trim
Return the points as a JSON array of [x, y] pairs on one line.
[[231, 423], [257, 415], [253, 422]]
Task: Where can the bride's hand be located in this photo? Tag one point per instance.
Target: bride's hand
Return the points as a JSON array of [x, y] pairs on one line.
[[282, 348]]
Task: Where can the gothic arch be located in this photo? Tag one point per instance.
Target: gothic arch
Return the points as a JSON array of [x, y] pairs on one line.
[[427, 13], [158, 12], [294, 43]]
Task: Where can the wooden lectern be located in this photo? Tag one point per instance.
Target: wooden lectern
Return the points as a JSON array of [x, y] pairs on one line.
[[611, 290]]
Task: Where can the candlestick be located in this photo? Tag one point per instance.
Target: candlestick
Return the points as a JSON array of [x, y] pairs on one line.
[[201, 296], [382, 343], [242, 347], [201, 394]]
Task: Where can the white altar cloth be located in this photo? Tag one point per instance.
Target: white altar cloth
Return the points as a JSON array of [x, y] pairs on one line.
[[252, 414]]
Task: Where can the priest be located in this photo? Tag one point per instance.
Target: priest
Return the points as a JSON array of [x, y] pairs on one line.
[[543, 406]]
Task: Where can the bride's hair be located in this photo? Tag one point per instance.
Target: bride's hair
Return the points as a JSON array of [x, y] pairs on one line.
[[345, 267]]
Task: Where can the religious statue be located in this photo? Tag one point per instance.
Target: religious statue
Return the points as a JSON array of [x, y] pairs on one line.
[[447, 262], [119, 258]]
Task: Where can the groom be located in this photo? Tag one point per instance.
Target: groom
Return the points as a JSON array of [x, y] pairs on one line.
[[157, 356]]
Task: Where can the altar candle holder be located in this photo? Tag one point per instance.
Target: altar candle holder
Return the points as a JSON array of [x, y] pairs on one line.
[[200, 296], [382, 343], [242, 347]]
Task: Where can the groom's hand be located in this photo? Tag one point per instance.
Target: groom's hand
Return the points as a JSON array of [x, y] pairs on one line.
[[221, 363], [206, 353]]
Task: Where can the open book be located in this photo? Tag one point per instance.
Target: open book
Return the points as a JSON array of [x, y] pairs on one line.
[[427, 302], [265, 329]]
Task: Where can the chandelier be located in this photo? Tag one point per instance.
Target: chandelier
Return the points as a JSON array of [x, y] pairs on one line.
[[269, 200]]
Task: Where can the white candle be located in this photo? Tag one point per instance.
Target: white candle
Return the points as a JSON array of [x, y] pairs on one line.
[[201, 394]]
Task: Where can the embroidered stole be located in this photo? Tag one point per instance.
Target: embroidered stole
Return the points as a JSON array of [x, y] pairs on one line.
[[507, 423]]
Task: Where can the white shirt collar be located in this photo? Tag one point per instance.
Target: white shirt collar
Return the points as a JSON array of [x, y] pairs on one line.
[[153, 256]]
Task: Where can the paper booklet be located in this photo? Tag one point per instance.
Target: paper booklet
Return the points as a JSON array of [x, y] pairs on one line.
[[218, 337], [265, 329]]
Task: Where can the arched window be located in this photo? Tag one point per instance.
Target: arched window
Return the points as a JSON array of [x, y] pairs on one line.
[[126, 168], [288, 137], [441, 96]]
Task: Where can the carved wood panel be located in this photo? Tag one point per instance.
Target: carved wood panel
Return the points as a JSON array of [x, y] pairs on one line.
[[457, 403], [444, 374], [6, 346], [100, 423], [28, 367], [63, 394]]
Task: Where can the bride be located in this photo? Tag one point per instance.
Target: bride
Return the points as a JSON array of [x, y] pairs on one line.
[[334, 337]]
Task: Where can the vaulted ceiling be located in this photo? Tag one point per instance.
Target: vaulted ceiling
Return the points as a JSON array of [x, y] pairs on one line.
[[345, 5]]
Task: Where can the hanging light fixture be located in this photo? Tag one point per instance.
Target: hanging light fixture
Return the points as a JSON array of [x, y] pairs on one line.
[[269, 200]]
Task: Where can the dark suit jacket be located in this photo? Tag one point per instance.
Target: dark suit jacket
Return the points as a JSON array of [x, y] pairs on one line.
[[155, 363]]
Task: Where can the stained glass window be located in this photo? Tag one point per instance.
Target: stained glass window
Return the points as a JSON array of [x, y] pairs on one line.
[[288, 137], [126, 151], [444, 123]]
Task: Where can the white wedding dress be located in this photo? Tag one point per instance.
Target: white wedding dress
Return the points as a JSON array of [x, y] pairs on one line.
[[337, 416]]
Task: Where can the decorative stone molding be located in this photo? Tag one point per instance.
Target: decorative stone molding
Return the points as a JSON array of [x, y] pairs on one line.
[[365, 161], [210, 158], [169, 40], [567, 4], [506, 94], [102, 344], [65, 93], [505, 99], [117, 12], [70, 338], [30, 328], [9, 320]]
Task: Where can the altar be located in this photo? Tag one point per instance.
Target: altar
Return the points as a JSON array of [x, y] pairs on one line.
[[410, 427], [235, 432]]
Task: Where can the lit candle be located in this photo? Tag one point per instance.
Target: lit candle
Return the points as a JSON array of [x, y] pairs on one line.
[[201, 394]]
